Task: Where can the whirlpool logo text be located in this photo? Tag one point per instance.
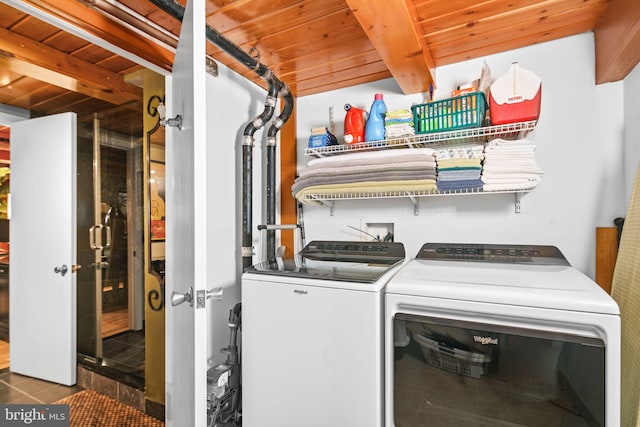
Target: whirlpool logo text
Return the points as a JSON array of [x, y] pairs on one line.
[[485, 340]]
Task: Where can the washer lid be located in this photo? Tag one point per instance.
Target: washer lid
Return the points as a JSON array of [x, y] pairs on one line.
[[550, 286], [344, 261]]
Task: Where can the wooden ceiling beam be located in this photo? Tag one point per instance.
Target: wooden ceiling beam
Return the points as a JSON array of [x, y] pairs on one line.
[[617, 40], [392, 28], [39, 61], [83, 16]]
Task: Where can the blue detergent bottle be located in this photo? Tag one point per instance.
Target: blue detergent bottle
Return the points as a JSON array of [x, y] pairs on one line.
[[374, 129]]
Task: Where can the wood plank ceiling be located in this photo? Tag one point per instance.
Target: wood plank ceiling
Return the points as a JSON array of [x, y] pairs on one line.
[[312, 45]]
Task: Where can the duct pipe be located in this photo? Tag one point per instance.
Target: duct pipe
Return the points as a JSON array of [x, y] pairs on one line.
[[177, 11], [247, 171], [135, 21], [271, 167]]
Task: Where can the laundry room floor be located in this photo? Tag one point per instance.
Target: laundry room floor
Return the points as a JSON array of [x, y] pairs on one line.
[[430, 394], [20, 389]]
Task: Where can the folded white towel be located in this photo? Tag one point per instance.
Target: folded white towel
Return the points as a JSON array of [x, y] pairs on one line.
[[512, 168], [524, 185], [506, 142], [398, 131], [382, 155], [509, 177], [511, 150], [507, 156], [382, 167], [498, 163]]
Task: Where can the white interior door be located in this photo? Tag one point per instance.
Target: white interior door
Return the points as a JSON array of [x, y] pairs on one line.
[[42, 313], [186, 214]]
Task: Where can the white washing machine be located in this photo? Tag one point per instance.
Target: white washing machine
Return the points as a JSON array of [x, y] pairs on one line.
[[492, 335], [312, 336]]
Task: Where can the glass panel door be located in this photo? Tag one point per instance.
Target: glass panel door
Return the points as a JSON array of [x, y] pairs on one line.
[[86, 275], [110, 315]]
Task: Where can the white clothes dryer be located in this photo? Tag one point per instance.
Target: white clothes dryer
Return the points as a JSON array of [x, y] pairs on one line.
[[491, 335]]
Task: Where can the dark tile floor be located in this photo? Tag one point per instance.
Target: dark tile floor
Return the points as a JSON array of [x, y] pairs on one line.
[[125, 352], [16, 388]]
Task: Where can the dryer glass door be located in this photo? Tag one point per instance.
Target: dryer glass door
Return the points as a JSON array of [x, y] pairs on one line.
[[450, 372]]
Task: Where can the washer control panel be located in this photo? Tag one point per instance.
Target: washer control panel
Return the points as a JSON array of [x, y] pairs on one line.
[[374, 252]]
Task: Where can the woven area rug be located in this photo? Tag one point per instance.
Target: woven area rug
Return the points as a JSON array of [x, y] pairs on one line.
[[90, 409]]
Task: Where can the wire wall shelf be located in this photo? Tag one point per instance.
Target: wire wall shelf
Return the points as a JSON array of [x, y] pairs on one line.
[[436, 139], [329, 199], [481, 135]]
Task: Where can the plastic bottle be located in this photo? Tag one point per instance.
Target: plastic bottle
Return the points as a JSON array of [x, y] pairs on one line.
[[374, 129], [354, 123]]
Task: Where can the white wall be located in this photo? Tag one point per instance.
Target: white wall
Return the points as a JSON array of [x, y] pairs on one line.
[[632, 129], [10, 114], [233, 102], [579, 145]]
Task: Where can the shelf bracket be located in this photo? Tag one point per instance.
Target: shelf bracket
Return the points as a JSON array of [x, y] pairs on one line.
[[517, 202], [416, 204], [331, 205]]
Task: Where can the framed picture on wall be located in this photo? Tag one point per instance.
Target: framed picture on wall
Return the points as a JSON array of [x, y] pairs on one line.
[[157, 199]]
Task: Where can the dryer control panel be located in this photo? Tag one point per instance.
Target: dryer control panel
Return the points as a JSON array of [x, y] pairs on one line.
[[521, 254]]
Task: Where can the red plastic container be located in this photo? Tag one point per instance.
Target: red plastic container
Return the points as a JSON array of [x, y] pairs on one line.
[[354, 123], [515, 96]]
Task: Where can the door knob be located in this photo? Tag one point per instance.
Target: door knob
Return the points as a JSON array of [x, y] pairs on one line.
[[61, 269], [178, 298]]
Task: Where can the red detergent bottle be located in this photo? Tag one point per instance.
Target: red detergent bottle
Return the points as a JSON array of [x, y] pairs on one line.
[[354, 123]]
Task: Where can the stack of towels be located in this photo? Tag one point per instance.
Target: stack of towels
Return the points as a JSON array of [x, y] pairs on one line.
[[367, 173], [459, 168], [510, 165], [398, 124]]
